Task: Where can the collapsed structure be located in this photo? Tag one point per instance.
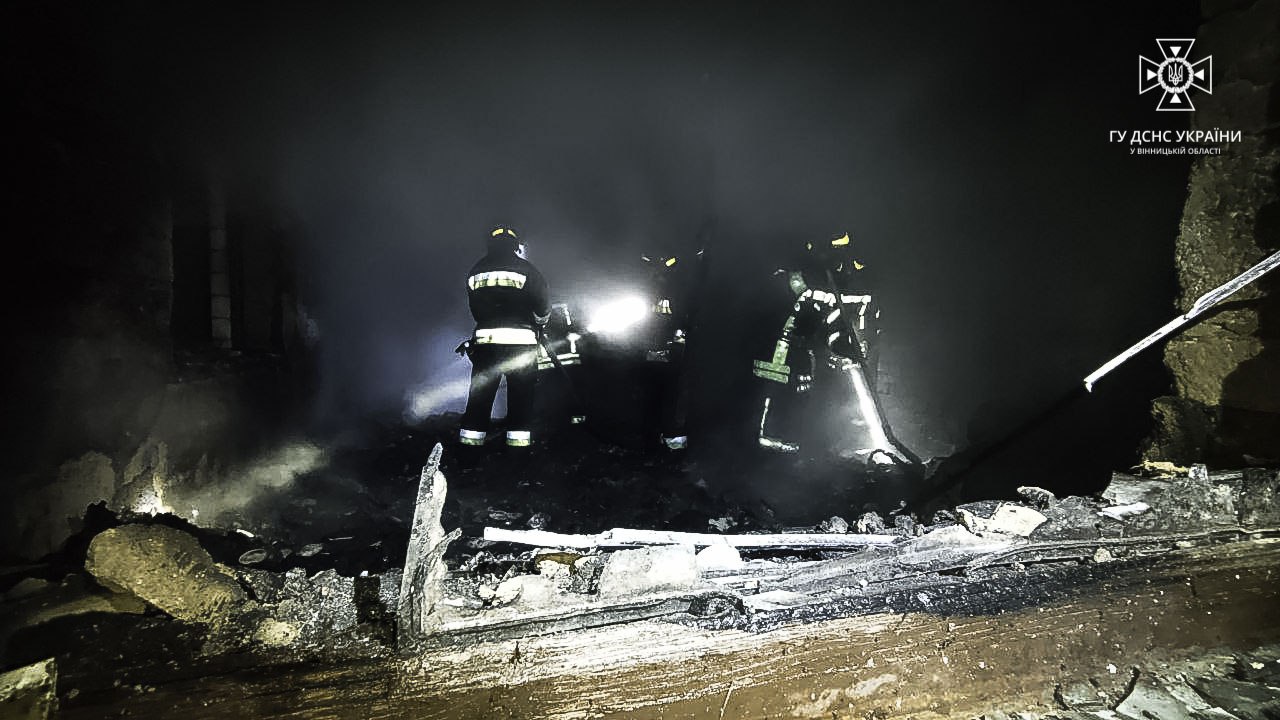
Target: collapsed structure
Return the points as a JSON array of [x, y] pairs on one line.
[[428, 638]]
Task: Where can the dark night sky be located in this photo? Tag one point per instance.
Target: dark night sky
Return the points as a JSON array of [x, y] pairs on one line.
[[963, 144]]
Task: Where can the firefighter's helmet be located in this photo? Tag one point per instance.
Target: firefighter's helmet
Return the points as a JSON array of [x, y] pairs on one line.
[[503, 238], [834, 253]]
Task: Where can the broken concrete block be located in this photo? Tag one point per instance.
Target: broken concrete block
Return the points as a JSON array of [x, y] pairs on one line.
[[1071, 518], [558, 557], [906, 524], [722, 523], [834, 524], [1008, 519], [870, 523], [28, 693], [647, 570], [1039, 497], [560, 573], [166, 567], [529, 591], [718, 557], [422, 585]]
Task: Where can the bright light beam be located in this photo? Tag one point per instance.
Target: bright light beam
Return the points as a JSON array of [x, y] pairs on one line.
[[618, 315]]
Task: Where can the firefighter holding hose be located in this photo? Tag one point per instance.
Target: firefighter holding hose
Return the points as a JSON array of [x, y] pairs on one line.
[[508, 299], [832, 318]]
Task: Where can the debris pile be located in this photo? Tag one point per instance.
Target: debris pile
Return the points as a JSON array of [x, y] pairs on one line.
[[753, 581]]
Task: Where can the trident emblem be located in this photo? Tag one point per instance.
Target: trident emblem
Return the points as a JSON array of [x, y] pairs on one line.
[[1175, 74]]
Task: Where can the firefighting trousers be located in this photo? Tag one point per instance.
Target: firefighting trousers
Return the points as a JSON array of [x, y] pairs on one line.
[[665, 395], [489, 364]]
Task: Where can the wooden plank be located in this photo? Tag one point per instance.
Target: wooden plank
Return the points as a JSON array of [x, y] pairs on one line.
[[627, 537]]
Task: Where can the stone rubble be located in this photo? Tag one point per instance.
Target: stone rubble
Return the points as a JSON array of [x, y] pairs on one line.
[[659, 568], [1038, 497], [870, 523], [1006, 519], [172, 572], [167, 568], [718, 557], [28, 693], [722, 523], [834, 524]]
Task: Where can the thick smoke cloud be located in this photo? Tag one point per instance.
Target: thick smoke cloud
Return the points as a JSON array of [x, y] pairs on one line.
[[965, 147]]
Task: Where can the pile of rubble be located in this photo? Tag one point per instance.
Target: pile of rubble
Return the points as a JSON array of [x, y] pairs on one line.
[[717, 580]]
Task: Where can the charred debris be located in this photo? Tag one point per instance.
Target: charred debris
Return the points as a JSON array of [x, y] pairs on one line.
[[192, 598]]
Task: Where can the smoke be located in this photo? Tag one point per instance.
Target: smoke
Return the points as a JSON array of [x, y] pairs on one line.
[[230, 495], [963, 148]]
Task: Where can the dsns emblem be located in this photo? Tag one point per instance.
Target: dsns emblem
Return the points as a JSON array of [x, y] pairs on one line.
[[1175, 74]]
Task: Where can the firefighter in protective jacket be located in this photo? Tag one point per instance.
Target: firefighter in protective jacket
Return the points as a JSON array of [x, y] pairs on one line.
[[664, 375], [508, 299], [832, 317]]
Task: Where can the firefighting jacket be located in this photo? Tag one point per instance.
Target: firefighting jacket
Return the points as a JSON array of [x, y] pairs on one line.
[[816, 323], [508, 299], [663, 334]]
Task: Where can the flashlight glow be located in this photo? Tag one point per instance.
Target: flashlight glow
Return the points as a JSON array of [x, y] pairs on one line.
[[617, 315]]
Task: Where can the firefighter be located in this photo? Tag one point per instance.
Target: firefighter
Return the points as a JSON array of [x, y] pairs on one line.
[[508, 299], [831, 318], [664, 373]]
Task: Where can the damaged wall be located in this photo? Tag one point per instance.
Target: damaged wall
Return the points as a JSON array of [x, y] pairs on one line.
[[1227, 402], [113, 387]]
